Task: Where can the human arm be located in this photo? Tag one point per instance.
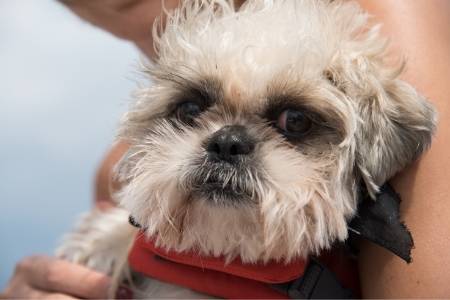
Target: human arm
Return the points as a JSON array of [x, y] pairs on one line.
[[420, 31], [127, 19], [104, 179]]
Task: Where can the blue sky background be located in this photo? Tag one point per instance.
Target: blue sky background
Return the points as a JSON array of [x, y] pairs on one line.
[[63, 87]]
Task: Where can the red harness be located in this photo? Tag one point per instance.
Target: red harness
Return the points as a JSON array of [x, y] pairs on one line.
[[210, 275]]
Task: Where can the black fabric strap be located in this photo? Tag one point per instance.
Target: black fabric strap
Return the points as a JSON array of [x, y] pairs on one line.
[[317, 282], [379, 222]]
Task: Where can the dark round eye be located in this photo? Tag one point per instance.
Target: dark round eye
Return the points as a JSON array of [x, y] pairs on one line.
[[294, 122], [187, 111]]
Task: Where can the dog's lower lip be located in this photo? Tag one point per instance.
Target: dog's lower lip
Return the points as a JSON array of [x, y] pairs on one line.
[[214, 189], [218, 186]]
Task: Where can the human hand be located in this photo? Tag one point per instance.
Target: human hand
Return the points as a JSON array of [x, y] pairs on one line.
[[46, 277]]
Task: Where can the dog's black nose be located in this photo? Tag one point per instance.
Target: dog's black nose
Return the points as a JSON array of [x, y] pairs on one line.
[[230, 143]]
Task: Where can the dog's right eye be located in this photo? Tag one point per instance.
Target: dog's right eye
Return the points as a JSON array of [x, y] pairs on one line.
[[187, 111], [294, 123]]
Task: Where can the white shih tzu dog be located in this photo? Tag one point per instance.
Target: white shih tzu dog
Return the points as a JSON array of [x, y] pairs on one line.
[[258, 128]]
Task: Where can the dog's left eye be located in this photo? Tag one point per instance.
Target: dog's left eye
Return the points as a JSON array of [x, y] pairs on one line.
[[294, 122], [187, 111]]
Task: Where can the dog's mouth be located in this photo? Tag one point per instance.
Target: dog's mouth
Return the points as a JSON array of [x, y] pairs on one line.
[[225, 189], [225, 186], [219, 192]]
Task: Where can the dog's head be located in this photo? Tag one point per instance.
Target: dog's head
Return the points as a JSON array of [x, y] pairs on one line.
[[260, 124]]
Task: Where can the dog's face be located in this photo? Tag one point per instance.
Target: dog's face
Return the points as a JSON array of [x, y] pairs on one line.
[[260, 125]]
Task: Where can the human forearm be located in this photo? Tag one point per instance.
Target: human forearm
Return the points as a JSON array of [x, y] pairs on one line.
[[128, 19]]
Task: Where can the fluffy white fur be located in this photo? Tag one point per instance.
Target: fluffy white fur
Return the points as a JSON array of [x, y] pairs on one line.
[[323, 55], [92, 228]]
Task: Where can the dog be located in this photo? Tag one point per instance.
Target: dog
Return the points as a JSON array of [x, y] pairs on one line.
[[257, 131]]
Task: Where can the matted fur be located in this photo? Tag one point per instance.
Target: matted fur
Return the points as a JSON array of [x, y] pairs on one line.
[[320, 55]]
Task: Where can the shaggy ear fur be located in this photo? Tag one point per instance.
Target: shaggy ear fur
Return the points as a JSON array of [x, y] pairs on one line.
[[396, 127]]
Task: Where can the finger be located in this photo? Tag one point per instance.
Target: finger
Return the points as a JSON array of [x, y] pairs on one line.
[[61, 276], [36, 294], [20, 289], [58, 296]]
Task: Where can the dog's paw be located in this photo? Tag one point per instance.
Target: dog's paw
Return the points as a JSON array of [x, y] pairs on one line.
[[99, 241]]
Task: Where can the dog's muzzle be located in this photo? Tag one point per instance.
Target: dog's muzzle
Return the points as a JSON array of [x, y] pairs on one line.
[[223, 173]]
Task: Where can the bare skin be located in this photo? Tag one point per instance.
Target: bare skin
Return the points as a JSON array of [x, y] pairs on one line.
[[420, 30], [127, 19]]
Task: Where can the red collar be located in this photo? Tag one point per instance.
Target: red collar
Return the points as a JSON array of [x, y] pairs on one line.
[[210, 275]]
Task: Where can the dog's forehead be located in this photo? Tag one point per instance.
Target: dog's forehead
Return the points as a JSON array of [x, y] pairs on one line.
[[286, 42], [250, 69], [273, 30]]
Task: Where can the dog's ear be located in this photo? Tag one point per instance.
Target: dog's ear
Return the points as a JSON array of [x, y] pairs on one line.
[[396, 126]]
